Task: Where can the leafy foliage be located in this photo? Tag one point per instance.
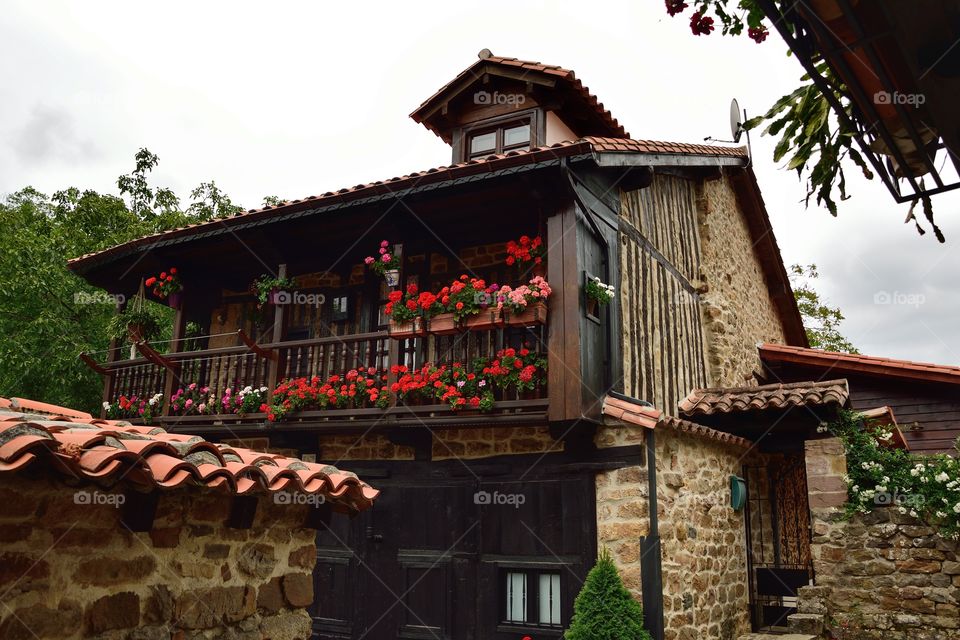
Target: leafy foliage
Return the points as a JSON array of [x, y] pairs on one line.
[[810, 132], [604, 609], [820, 320], [927, 487], [48, 315]]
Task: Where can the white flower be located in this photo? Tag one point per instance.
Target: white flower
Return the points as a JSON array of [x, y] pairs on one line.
[[956, 508], [941, 514], [902, 509], [942, 477], [106, 405], [913, 513], [881, 488]]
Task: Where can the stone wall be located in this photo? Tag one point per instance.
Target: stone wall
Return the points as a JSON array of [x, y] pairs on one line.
[[883, 575], [70, 570], [702, 537], [465, 443], [737, 309]]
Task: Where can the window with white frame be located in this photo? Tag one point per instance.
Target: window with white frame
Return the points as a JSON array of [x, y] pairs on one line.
[[532, 598]]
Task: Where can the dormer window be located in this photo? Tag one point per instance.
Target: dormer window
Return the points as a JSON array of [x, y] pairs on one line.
[[510, 137], [499, 135]]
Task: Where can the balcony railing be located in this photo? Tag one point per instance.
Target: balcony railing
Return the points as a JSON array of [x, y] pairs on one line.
[[264, 365]]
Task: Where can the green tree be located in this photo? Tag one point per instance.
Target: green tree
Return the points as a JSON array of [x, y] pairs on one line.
[[48, 315], [604, 609], [821, 321]]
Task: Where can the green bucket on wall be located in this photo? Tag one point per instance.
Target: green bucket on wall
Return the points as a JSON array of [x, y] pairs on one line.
[[738, 492]]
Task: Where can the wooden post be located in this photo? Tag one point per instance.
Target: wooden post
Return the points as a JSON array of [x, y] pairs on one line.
[[113, 351], [172, 376], [563, 329], [274, 365]]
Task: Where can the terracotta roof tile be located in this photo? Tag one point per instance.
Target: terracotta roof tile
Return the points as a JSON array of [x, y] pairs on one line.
[[849, 362], [114, 450], [436, 174], [630, 412], [762, 398], [685, 426]]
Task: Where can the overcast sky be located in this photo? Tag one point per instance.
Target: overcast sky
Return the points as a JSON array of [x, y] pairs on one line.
[[297, 98]]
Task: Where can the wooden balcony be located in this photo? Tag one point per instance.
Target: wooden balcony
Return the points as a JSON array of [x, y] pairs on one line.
[[263, 365]]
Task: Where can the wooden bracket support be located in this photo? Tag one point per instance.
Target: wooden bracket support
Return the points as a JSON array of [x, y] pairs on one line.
[[270, 354], [93, 364], [139, 510], [150, 354]]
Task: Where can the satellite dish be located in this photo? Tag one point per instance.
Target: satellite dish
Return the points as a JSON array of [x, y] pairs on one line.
[[736, 120]]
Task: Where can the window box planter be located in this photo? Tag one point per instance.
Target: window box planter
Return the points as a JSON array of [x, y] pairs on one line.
[[401, 330], [486, 319], [443, 324], [535, 313]]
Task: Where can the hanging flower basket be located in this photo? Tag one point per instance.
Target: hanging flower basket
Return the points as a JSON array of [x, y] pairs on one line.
[[535, 313], [410, 329], [443, 324], [485, 320], [135, 332], [392, 276]]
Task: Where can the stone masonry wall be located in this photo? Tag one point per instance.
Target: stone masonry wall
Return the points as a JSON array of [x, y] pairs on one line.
[[71, 570], [737, 309], [467, 442], [883, 575], [702, 537]]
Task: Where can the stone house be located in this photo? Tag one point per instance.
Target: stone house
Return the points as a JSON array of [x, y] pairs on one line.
[[644, 424], [113, 531]]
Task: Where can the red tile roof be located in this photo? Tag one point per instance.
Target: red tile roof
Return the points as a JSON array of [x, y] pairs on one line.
[[630, 412], [873, 365], [642, 415], [88, 448], [565, 76], [438, 174], [770, 396], [700, 431]]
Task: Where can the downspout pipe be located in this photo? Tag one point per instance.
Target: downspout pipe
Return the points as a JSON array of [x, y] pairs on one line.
[[651, 573]]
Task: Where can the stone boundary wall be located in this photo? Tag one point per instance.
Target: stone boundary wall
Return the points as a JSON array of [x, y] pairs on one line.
[[703, 540], [70, 570], [884, 574]]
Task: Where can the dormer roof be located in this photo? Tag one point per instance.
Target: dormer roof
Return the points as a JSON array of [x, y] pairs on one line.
[[557, 88]]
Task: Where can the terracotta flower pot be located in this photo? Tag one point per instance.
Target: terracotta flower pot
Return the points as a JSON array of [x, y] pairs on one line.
[[443, 324], [485, 320], [402, 330], [535, 313]]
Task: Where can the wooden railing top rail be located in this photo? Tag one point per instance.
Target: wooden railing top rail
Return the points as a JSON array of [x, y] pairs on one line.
[[243, 348]]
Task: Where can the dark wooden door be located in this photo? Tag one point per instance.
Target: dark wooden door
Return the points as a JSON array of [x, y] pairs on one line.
[[433, 559]]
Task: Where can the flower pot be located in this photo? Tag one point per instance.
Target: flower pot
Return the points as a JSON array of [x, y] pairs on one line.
[[540, 270], [174, 299], [593, 307], [402, 330], [535, 313], [485, 320], [392, 276], [443, 324]]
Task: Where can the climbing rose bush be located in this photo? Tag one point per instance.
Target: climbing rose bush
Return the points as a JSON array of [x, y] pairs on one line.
[[925, 487]]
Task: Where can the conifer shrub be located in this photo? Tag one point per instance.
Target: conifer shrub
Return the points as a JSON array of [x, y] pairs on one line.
[[604, 609]]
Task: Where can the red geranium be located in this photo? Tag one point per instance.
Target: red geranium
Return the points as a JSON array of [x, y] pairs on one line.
[[525, 250], [164, 284]]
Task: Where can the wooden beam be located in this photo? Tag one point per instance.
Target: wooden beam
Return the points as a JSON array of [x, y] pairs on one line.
[[256, 348], [93, 364], [150, 354], [275, 364], [172, 378]]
